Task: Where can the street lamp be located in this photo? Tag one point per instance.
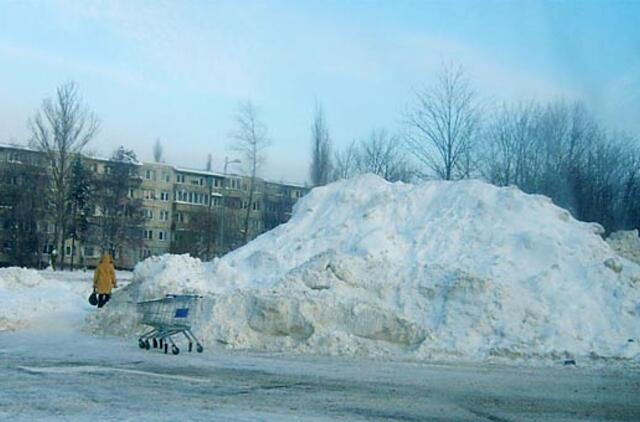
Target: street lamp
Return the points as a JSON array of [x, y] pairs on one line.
[[227, 162], [224, 197]]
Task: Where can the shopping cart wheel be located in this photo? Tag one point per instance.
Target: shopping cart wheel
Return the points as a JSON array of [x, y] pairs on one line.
[[155, 343], [199, 348], [175, 350], [141, 343], [147, 345]]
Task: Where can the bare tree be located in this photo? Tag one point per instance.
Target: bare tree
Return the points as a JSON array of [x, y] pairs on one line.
[[559, 150], [379, 153], [346, 162], [509, 154], [250, 141], [320, 170], [443, 123], [157, 151], [61, 129], [383, 155]]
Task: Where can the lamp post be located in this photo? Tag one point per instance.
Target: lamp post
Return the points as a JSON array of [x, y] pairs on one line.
[[224, 197]]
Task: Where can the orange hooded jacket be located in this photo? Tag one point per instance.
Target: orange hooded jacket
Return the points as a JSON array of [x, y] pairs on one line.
[[104, 279]]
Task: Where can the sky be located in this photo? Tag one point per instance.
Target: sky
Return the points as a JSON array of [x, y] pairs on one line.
[[178, 70]]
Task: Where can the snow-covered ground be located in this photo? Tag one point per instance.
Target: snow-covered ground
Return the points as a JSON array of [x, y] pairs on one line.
[[66, 376], [42, 298]]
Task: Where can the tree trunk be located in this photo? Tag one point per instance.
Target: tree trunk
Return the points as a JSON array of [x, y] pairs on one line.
[[248, 214], [73, 247]]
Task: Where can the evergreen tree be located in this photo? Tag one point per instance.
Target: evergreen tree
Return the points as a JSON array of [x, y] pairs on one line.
[[80, 203], [120, 214]]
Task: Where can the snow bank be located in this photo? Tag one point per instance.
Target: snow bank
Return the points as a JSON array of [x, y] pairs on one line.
[[29, 300], [456, 270]]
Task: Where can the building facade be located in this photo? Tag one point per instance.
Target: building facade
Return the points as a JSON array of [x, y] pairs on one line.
[[192, 211]]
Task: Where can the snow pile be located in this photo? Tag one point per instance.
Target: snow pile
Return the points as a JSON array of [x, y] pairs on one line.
[[458, 270], [626, 243], [29, 300]]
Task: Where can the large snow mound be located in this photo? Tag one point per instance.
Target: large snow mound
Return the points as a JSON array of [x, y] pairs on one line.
[[457, 270]]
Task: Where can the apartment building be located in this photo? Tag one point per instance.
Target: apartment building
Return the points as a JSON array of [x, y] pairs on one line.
[[156, 192], [24, 227], [185, 210]]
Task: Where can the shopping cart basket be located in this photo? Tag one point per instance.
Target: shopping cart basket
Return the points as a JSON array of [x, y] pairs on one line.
[[168, 316]]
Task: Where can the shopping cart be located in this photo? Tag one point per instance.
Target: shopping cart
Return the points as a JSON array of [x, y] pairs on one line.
[[168, 316]]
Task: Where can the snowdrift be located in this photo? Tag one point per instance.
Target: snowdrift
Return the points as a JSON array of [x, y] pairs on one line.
[[440, 270], [28, 300]]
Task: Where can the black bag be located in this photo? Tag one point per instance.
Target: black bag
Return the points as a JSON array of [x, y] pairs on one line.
[[93, 298]]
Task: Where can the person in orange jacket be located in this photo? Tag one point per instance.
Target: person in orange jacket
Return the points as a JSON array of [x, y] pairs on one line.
[[104, 279]]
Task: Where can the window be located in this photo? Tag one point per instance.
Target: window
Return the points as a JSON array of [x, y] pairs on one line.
[[256, 206], [130, 193], [162, 235], [150, 175], [217, 182], [164, 196], [215, 201], [164, 215], [180, 178], [201, 181], [167, 177], [150, 194], [89, 251], [148, 234], [148, 214], [180, 217]]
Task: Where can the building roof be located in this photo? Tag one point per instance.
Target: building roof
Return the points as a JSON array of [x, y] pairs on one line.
[[198, 172], [285, 183], [17, 146], [109, 160], [175, 168]]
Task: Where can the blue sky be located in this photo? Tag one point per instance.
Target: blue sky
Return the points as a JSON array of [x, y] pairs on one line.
[[176, 70]]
